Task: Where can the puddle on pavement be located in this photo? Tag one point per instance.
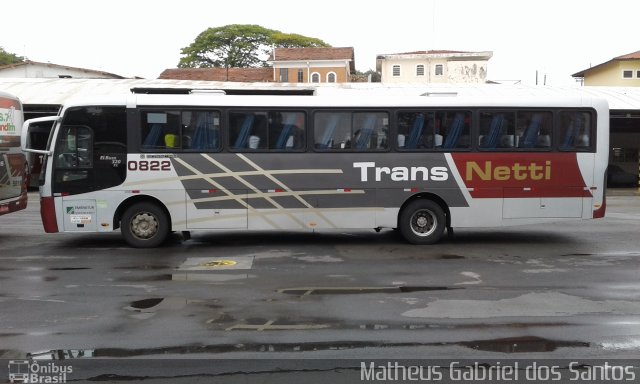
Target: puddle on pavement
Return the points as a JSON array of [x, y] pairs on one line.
[[360, 290], [146, 303], [451, 257], [145, 267], [147, 308], [138, 279], [521, 344], [68, 269]]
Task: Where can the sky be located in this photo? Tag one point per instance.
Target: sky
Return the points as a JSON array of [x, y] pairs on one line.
[[554, 38]]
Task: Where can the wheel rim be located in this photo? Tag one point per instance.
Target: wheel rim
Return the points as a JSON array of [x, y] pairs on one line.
[[423, 223], [144, 225]]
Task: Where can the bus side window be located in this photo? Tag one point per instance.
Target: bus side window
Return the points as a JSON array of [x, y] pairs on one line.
[[575, 131], [497, 130], [332, 130], [161, 130], [201, 130], [416, 131], [454, 128], [535, 128], [370, 131], [286, 131], [240, 128]]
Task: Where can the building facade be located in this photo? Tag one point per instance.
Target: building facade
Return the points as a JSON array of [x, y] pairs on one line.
[[429, 67], [621, 71], [313, 65], [621, 74], [286, 65]]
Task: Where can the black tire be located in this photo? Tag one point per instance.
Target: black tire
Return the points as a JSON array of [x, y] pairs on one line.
[[144, 225], [422, 221]]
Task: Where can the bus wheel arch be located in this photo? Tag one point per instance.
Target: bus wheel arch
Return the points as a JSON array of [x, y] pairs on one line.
[[423, 218], [144, 221]]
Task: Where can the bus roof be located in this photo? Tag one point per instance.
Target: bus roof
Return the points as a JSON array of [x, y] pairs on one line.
[[349, 99]]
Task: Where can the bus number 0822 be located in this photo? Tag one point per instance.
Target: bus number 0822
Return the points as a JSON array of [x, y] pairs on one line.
[[154, 165]]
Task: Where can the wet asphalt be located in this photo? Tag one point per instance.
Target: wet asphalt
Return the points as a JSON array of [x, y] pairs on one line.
[[549, 291]]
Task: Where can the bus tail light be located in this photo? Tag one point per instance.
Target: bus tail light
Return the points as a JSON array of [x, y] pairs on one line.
[[48, 214]]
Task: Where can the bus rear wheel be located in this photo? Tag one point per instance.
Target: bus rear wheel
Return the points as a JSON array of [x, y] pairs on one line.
[[144, 225], [422, 222]]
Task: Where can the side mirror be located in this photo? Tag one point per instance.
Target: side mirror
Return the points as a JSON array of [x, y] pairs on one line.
[[40, 124]]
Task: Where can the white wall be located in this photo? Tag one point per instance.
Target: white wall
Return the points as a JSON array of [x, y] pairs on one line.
[[49, 71], [454, 72]]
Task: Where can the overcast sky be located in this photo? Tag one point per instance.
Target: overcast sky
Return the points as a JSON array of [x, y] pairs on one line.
[[144, 37]]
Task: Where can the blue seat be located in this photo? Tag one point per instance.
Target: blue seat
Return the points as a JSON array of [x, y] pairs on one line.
[[575, 126], [205, 135], [454, 132], [365, 132], [495, 131], [245, 131], [287, 129], [416, 132], [153, 139], [329, 130], [530, 137]]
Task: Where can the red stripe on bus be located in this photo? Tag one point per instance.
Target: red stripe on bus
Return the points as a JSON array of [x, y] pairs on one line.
[[48, 214], [599, 213], [513, 175]]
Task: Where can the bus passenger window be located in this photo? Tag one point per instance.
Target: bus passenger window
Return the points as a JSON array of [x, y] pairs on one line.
[[371, 131], [332, 130], [575, 131], [497, 130], [240, 128], [286, 131], [535, 129], [201, 130], [161, 130], [416, 131], [453, 129]]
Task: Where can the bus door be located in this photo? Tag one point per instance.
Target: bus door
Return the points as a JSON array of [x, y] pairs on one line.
[[89, 157]]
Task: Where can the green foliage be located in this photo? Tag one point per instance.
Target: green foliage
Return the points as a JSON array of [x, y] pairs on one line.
[[9, 58], [240, 46], [293, 40]]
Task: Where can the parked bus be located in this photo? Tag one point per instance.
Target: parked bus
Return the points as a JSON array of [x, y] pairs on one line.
[[14, 176], [149, 164]]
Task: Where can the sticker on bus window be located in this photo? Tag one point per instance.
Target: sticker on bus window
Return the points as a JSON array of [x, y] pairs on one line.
[[157, 118]]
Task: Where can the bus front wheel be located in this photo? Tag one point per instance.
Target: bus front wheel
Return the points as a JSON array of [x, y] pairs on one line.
[[144, 225], [422, 222]]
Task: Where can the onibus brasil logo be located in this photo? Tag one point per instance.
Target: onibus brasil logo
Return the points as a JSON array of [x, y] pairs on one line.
[[29, 371]]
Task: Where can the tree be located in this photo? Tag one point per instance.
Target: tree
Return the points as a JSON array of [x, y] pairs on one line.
[[239, 46], [9, 58]]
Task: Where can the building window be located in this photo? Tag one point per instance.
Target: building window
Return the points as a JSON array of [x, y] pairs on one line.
[[315, 77], [284, 75], [439, 70], [420, 70], [396, 70], [300, 75], [637, 74], [331, 77], [627, 74]]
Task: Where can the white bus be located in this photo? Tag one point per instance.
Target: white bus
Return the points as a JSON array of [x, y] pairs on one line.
[[14, 175], [149, 164]]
